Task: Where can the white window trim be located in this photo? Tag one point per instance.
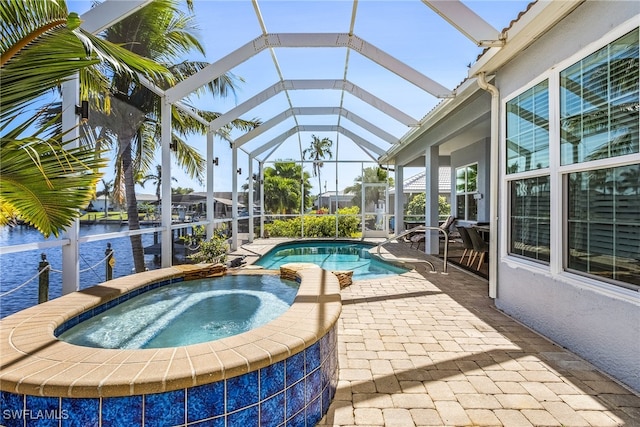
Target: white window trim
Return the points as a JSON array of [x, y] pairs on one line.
[[455, 187], [555, 268]]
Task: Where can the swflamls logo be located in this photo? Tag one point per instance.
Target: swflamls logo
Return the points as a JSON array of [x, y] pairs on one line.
[[29, 414]]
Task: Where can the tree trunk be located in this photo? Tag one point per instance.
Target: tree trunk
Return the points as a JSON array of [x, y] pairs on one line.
[[124, 142]]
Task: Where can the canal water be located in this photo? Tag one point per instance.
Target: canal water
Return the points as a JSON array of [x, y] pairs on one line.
[[17, 268]]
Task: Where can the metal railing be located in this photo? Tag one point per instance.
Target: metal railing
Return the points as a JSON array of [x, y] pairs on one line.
[[413, 260]]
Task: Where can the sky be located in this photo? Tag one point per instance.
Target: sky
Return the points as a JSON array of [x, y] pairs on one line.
[[408, 30]]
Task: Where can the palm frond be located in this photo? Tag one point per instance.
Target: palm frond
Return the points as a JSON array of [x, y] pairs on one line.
[[48, 199]]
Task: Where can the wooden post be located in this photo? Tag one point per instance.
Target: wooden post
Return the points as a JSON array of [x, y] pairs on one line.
[[43, 284], [110, 262]]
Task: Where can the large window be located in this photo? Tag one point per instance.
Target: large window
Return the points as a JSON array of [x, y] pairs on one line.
[[466, 189], [530, 219], [603, 233], [595, 142], [528, 130], [599, 104]]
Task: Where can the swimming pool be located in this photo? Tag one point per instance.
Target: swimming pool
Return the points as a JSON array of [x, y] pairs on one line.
[[332, 256], [187, 313]]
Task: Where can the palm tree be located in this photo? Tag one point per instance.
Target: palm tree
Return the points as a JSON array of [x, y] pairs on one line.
[[165, 33], [317, 151], [42, 45], [371, 174], [282, 187], [107, 187], [157, 180]]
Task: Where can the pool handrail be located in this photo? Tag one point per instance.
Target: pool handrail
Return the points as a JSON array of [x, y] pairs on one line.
[[412, 231]]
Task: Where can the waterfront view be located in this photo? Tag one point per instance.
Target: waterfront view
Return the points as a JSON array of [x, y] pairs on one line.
[[17, 268]]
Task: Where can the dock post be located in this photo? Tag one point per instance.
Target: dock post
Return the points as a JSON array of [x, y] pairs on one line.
[[43, 279], [110, 262]]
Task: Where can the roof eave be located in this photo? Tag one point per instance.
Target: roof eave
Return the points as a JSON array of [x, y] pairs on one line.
[[539, 18]]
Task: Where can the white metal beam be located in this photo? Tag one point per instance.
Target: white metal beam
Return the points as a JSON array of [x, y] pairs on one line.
[[359, 141], [466, 21], [107, 13], [227, 63], [278, 87], [315, 111]]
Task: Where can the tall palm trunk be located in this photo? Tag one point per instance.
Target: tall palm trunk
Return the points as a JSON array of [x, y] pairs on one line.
[[124, 143]]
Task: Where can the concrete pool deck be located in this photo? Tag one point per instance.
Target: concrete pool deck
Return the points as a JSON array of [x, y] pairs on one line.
[[426, 349]]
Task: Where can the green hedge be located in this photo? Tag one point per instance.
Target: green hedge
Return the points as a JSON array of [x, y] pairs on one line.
[[318, 226]]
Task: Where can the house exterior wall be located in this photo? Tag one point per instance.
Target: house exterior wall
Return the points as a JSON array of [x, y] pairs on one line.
[[597, 320]]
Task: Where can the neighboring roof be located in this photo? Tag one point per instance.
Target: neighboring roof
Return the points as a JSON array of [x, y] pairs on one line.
[[340, 194], [416, 183]]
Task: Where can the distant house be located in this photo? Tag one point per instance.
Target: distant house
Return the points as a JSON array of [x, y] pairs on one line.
[[334, 200], [416, 184]]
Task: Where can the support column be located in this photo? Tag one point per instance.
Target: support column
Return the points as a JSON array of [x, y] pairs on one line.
[[165, 186], [262, 210], [432, 164], [210, 184], [71, 133], [398, 205], [250, 204], [234, 198]]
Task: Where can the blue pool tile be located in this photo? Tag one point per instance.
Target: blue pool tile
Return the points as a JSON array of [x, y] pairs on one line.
[[325, 347], [313, 385], [247, 417], [42, 411], [271, 380], [242, 391], [295, 368], [164, 409], [212, 422], [80, 412], [312, 357], [294, 396], [326, 399], [298, 420], [205, 401], [122, 411], [314, 412], [272, 411], [11, 409]]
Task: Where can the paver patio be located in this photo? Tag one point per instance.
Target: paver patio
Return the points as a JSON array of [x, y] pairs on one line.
[[424, 349]]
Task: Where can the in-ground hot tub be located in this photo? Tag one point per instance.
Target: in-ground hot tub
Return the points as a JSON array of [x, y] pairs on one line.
[[284, 371]]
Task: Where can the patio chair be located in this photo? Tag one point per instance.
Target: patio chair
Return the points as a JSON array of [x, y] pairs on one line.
[[467, 244], [480, 247], [417, 238], [446, 225]]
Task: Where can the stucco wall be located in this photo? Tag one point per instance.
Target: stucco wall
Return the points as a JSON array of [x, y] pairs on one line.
[[599, 323]]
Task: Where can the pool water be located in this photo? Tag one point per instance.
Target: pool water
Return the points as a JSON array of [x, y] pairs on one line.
[[331, 256], [187, 313]]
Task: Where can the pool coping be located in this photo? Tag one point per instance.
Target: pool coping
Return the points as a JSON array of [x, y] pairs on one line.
[[34, 362]]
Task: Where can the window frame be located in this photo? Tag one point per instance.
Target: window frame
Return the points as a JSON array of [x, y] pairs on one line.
[[557, 268], [466, 193]]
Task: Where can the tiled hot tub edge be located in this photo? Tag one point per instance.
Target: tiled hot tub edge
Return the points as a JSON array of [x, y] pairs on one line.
[[40, 373]]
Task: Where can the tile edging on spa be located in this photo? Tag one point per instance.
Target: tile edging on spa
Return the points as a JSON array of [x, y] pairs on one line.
[[290, 334]]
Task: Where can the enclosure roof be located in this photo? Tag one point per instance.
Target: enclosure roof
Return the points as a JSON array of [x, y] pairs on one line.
[[362, 73]]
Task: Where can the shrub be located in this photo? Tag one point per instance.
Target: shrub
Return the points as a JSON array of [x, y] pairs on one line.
[[211, 251], [317, 226]]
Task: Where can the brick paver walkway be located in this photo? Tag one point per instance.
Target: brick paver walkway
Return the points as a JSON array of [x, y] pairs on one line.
[[426, 349]]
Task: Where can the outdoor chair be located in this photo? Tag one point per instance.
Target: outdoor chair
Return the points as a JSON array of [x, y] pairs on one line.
[[480, 247], [467, 244], [446, 225]]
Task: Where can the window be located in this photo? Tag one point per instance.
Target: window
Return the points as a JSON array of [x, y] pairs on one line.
[[530, 219], [466, 188], [599, 98], [599, 104], [603, 233], [528, 130]]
